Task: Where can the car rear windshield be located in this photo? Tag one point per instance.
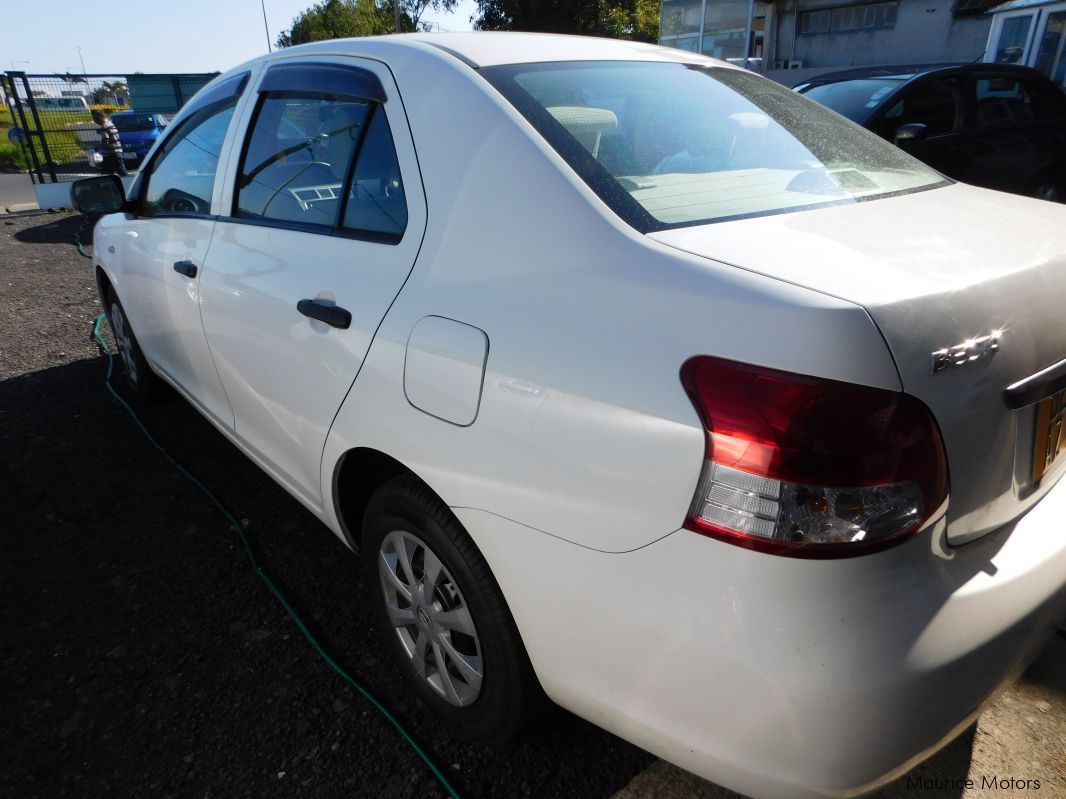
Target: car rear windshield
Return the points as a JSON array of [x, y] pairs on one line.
[[133, 121], [855, 99], [671, 145]]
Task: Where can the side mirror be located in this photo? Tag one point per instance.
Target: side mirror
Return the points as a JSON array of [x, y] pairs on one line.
[[911, 132], [99, 195]]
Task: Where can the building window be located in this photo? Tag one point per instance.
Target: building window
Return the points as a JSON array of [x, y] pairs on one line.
[[849, 18], [814, 21]]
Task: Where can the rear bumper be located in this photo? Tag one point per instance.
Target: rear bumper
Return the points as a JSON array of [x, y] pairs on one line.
[[779, 677]]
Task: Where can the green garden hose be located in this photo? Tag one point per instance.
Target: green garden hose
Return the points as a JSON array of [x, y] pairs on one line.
[[262, 574], [86, 222]]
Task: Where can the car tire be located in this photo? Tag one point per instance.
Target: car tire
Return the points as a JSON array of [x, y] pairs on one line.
[[455, 641], [139, 377]]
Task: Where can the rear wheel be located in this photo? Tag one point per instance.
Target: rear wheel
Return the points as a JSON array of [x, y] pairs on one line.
[[443, 615], [139, 375]]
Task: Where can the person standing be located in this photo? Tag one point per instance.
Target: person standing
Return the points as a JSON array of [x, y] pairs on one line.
[[113, 161]]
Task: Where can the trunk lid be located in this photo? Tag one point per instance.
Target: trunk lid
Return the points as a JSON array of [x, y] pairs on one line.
[[936, 269]]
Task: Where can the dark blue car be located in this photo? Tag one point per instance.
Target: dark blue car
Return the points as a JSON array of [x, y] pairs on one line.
[[138, 133]]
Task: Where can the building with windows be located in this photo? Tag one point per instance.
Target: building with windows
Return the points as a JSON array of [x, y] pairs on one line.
[[1030, 32], [820, 35], [812, 36]]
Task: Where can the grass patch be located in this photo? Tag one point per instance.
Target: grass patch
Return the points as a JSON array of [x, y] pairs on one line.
[[68, 134], [11, 155]]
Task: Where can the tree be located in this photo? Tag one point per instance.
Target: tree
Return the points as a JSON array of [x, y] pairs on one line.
[[618, 19], [336, 19], [110, 93]]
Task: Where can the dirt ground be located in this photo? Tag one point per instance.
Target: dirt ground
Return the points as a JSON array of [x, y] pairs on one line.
[[142, 657]]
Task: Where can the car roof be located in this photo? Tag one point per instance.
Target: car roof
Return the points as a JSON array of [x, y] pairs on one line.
[[495, 48], [492, 48], [907, 72]]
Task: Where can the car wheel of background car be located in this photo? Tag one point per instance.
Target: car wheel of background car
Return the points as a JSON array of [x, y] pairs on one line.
[[1050, 187], [443, 615], [139, 375]]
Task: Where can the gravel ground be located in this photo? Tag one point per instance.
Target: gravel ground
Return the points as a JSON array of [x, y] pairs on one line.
[[140, 655]]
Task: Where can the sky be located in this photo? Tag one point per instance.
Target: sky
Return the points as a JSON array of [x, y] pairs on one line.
[[153, 35]]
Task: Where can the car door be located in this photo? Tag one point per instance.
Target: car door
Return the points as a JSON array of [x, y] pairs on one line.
[[320, 232], [935, 102], [165, 244]]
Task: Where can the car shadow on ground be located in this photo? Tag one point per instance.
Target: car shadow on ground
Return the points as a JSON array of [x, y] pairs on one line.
[[143, 657], [63, 230]]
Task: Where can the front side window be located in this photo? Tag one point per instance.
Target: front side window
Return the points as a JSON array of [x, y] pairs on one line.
[[671, 145], [182, 177], [934, 103]]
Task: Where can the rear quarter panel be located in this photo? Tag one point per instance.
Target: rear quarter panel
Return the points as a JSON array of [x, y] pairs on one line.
[[584, 430]]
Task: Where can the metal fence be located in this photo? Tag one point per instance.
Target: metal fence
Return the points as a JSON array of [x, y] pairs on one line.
[[48, 118]]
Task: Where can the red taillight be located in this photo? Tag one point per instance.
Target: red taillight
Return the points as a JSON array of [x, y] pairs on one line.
[[809, 467]]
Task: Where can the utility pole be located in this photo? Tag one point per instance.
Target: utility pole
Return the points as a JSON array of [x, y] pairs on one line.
[[266, 27], [396, 15], [748, 32]]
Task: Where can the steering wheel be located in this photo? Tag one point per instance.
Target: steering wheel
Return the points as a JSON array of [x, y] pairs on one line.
[[180, 202]]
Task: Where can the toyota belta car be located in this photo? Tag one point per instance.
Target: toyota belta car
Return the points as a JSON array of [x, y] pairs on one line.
[[639, 382]]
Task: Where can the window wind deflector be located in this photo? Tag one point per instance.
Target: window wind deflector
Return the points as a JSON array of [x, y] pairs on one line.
[[342, 79], [224, 90]]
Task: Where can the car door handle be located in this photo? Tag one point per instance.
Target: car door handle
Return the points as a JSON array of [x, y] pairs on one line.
[[330, 314], [187, 268]]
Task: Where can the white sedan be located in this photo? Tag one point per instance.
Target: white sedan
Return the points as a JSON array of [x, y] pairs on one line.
[[637, 379]]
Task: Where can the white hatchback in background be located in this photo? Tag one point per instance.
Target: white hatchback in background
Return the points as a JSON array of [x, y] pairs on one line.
[[637, 378]]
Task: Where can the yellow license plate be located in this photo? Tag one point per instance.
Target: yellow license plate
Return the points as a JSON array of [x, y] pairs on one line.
[[1050, 443]]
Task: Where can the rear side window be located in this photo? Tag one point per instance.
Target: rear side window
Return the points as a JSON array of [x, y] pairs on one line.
[[321, 161], [1007, 101], [376, 202], [298, 157]]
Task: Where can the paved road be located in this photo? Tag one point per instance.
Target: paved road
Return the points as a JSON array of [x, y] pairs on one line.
[[16, 189]]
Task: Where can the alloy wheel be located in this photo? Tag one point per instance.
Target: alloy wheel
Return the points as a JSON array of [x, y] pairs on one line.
[[431, 618]]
